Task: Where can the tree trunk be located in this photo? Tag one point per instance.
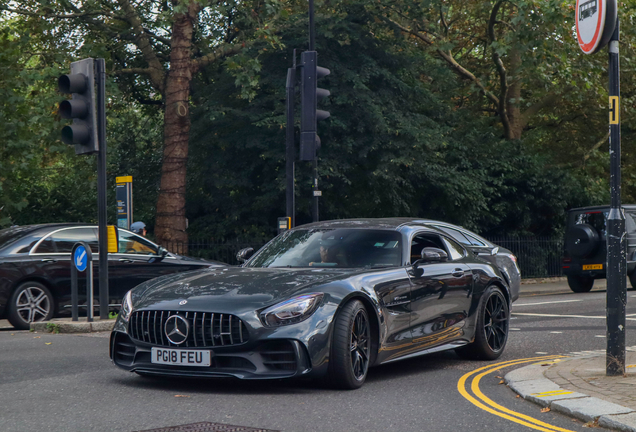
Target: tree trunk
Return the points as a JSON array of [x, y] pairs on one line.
[[170, 227]]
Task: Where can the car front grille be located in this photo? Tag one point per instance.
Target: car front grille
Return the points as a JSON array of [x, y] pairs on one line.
[[205, 329]]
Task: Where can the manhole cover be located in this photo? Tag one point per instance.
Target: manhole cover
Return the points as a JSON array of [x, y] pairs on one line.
[[207, 427]]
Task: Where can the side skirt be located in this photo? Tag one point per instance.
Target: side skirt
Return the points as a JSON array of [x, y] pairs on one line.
[[444, 347]]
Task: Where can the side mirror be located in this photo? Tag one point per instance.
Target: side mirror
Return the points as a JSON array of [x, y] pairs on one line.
[[489, 251], [431, 254], [162, 252], [244, 254]]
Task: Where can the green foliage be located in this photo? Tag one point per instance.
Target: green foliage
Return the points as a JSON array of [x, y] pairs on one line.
[[406, 137], [52, 328]]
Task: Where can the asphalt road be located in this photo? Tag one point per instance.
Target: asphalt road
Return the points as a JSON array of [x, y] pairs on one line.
[[67, 383]]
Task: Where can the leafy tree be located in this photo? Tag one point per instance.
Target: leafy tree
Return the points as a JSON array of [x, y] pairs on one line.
[[395, 145], [157, 47]]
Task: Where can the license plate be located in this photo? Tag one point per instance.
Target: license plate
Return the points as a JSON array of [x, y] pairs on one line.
[[593, 267], [179, 357]]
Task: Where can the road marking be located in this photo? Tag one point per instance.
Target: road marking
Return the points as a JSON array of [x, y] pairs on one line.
[[514, 329], [565, 316], [552, 393], [541, 353], [600, 336], [541, 303], [497, 409], [556, 332]]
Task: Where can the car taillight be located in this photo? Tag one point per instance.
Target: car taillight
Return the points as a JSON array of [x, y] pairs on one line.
[[567, 260]]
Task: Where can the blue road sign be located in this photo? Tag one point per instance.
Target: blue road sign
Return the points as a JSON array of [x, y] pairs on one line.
[[80, 258]]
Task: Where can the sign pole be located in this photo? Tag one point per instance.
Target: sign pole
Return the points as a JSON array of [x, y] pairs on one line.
[[616, 253], [82, 262], [74, 292]]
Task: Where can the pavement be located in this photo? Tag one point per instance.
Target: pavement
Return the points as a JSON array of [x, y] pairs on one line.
[[578, 386]]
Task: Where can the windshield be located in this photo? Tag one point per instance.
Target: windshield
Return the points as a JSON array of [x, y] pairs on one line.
[[342, 248]]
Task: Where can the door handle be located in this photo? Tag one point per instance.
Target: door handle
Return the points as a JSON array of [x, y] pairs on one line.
[[125, 260], [49, 260], [458, 272]]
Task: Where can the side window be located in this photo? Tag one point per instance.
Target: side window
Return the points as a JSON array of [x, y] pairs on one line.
[[630, 226], [130, 243], [457, 235], [474, 241], [46, 246], [421, 241], [65, 239], [455, 251]]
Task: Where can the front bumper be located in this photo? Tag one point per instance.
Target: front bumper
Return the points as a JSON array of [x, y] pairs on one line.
[[269, 359]]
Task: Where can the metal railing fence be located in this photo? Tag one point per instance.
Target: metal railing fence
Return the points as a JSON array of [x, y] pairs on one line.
[[537, 256]]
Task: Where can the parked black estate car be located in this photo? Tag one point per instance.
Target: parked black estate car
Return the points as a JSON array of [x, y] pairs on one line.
[[585, 246], [35, 268], [329, 298]]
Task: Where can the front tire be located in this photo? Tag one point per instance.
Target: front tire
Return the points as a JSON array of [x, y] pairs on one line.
[[491, 329], [350, 347], [30, 302], [581, 284]]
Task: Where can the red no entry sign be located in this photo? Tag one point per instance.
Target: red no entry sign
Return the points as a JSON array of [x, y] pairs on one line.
[[595, 22]]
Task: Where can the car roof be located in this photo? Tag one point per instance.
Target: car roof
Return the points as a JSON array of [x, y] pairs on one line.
[[375, 223], [28, 229], [602, 207]]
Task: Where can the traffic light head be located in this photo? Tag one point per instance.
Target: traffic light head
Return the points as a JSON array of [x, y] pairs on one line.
[[310, 96], [81, 109]]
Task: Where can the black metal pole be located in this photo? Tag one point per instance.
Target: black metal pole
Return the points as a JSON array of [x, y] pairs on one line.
[[312, 32], [616, 255], [290, 154], [312, 47], [101, 189], [315, 192], [74, 291]]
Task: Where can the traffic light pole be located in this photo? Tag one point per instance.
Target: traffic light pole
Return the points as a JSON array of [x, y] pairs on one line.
[[616, 254], [314, 190], [290, 153], [101, 189]]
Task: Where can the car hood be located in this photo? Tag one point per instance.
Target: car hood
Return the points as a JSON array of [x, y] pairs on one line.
[[230, 289]]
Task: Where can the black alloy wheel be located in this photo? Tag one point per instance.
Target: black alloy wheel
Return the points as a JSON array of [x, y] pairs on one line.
[[351, 347], [581, 284], [491, 330], [30, 302]]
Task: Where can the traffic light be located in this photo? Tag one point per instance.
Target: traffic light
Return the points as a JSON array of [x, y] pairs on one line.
[[310, 95], [81, 84]]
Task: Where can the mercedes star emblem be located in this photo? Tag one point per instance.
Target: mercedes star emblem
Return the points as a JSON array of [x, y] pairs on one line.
[[177, 329]]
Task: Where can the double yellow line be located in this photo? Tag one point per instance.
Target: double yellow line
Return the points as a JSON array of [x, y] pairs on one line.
[[482, 401]]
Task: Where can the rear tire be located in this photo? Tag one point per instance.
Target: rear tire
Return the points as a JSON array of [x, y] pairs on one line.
[[350, 347], [30, 302], [491, 328], [581, 284]]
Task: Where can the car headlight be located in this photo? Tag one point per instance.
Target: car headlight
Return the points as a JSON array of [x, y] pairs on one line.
[[291, 311], [126, 306]]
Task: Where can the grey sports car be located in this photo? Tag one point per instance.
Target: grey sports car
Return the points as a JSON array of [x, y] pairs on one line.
[[330, 298]]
